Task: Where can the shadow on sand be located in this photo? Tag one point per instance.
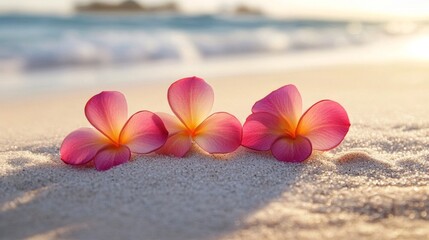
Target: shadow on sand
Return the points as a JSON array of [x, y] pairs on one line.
[[154, 197], [199, 196]]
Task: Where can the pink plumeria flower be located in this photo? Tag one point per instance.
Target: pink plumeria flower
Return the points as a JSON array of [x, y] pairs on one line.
[[277, 123], [115, 135], [191, 100]]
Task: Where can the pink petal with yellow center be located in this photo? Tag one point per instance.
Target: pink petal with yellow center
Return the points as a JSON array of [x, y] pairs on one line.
[[325, 124], [144, 132], [261, 130], [172, 123], [291, 150], [285, 102], [178, 144], [219, 133], [191, 100], [111, 156], [108, 112], [81, 146]]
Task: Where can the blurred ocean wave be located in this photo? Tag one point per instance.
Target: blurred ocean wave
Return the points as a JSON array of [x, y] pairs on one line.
[[34, 42]]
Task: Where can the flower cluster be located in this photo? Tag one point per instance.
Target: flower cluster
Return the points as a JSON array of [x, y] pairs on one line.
[[276, 124]]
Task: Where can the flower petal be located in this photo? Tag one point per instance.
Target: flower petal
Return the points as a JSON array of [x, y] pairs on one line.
[[80, 146], [171, 123], [111, 156], [261, 130], [108, 112], [178, 144], [325, 124], [219, 133], [191, 100], [285, 102], [144, 132], [292, 150]]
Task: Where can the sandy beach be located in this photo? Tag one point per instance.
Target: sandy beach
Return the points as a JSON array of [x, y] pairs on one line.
[[375, 185]]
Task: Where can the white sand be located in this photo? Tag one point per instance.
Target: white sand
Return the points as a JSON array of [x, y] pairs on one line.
[[374, 186]]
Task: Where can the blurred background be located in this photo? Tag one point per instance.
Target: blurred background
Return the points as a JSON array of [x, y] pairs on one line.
[[65, 44]]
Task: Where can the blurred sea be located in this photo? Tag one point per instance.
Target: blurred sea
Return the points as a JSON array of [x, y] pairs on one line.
[[34, 42], [40, 53]]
